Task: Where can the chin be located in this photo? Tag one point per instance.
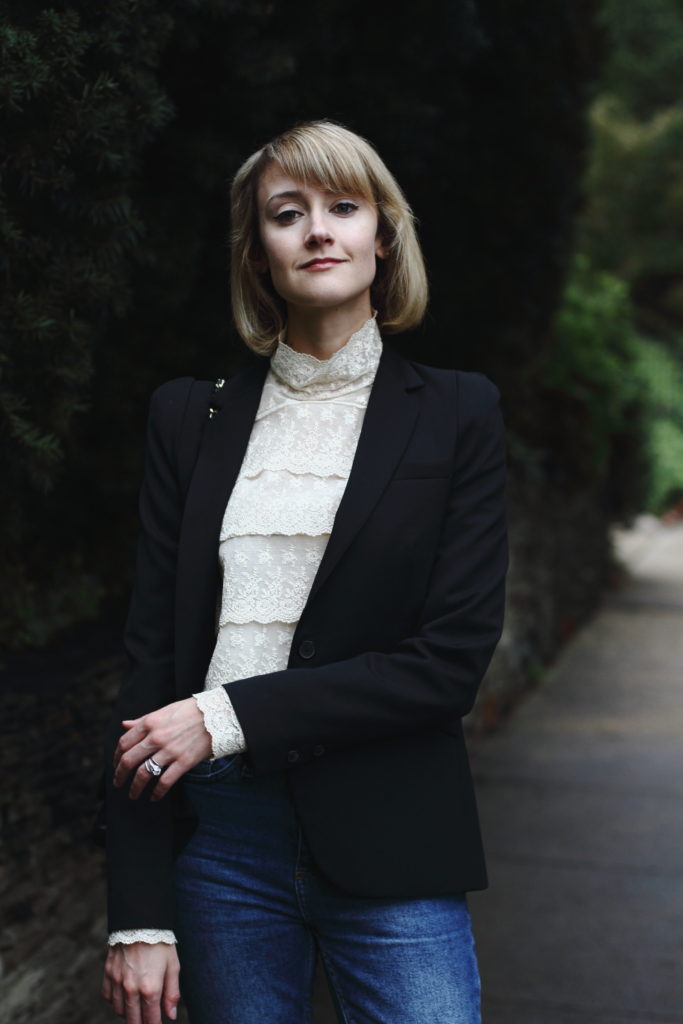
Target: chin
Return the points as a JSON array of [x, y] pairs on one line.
[[325, 298]]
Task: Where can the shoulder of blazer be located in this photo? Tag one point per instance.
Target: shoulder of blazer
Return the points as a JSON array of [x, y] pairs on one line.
[[475, 394], [168, 407], [180, 409], [177, 413], [478, 397], [181, 405]]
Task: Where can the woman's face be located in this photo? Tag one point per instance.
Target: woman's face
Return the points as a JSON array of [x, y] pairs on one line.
[[320, 248]]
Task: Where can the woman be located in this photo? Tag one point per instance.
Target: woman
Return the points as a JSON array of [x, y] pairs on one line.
[[291, 774]]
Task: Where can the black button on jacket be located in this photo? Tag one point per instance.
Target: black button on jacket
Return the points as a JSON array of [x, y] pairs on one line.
[[406, 610]]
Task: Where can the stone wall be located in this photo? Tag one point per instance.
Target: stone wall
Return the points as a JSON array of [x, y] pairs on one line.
[[560, 563], [52, 924]]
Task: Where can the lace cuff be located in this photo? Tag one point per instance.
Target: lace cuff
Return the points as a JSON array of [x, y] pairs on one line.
[[221, 722], [142, 935]]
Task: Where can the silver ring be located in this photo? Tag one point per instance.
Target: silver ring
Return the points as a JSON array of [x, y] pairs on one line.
[[153, 768]]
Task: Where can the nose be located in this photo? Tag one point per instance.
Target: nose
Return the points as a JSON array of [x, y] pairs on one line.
[[319, 232]]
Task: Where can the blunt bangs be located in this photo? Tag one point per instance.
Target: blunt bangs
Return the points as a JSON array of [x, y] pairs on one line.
[[329, 157]]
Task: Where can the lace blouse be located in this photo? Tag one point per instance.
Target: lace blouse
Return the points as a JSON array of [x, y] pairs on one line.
[[278, 521]]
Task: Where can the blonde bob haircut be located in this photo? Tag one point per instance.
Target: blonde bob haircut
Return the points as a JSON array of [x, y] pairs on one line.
[[331, 157]]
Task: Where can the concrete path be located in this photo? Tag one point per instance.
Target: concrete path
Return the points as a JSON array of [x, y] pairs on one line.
[[581, 800]]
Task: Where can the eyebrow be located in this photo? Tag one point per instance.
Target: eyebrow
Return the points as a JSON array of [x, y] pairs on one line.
[[292, 193], [295, 193]]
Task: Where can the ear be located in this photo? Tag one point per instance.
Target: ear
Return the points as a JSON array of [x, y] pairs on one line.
[[380, 248]]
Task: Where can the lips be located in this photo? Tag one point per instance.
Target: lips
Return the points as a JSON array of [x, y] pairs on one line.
[[321, 262]]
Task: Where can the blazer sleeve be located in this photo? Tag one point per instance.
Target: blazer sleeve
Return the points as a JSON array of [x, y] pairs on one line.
[[293, 715], [139, 832]]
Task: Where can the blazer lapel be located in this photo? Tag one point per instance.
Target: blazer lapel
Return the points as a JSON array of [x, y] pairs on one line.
[[223, 445], [388, 424]]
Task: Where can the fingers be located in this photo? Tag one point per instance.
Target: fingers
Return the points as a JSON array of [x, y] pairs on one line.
[[120, 989], [118, 1001], [107, 987], [171, 775], [150, 999], [174, 735], [162, 783], [142, 778], [132, 1008], [133, 749], [136, 733], [137, 977], [111, 981]]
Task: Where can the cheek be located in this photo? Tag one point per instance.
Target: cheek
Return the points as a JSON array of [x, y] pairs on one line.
[[270, 252], [276, 250], [370, 260], [280, 280], [279, 265], [370, 246]]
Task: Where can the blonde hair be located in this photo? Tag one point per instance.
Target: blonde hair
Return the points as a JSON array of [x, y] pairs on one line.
[[327, 155]]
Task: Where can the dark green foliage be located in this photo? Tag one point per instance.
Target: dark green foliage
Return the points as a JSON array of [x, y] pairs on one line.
[[592, 392], [79, 103], [135, 116], [644, 72], [633, 222]]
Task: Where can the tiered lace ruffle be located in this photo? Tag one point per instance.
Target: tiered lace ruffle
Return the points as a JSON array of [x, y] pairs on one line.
[[281, 511]]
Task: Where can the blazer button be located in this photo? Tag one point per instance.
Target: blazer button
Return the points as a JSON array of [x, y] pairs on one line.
[[307, 649], [318, 751], [293, 756]]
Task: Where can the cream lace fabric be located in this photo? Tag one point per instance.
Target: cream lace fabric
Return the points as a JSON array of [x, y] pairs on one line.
[[281, 511], [279, 518], [142, 935]]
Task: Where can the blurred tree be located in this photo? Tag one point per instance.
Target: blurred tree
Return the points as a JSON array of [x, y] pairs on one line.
[[632, 224]]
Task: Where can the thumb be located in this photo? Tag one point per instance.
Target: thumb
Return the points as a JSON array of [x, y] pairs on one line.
[[171, 994]]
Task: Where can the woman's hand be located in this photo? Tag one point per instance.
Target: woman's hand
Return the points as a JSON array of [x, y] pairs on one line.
[[141, 981], [174, 736]]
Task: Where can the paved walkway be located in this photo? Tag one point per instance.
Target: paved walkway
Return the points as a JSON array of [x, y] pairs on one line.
[[581, 799]]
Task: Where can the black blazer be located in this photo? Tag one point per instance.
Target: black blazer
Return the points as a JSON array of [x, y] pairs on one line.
[[399, 627]]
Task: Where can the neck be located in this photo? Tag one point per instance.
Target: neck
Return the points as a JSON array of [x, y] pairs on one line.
[[322, 332]]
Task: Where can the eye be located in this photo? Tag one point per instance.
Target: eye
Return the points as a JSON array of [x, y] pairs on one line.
[[345, 207], [287, 216]]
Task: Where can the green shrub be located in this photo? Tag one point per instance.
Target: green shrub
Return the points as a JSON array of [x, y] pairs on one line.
[[660, 370], [590, 367], [594, 400]]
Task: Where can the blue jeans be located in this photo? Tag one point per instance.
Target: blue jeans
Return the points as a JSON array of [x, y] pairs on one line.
[[252, 909]]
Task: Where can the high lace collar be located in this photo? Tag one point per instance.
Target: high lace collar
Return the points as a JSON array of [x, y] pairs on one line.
[[351, 366]]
